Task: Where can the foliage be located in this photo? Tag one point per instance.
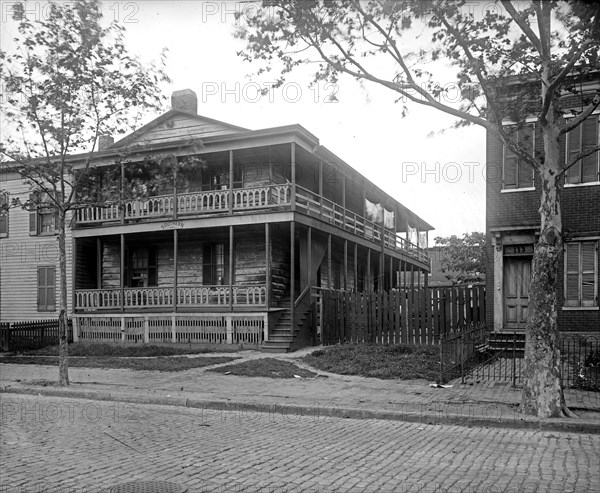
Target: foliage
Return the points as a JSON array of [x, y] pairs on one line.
[[401, 361], [463, 260]]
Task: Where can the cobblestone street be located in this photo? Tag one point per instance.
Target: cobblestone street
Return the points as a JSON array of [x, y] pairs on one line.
[[62, 444]]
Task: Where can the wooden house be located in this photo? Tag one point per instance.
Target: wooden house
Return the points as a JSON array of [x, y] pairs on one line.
[[234, 249]]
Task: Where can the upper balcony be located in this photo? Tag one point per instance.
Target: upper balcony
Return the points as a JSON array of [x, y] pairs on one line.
[[274, 197]]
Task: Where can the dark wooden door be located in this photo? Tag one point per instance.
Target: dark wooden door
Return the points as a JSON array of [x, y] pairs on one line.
[[517, 275]]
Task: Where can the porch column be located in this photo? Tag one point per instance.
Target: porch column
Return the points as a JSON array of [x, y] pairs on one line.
[[230, 268], [175, 248], [73, 293], [175, 188], [321, 187], [344, 203], [98, 263], [329, 263], [309, 253], [267, 265], [121, 192], [293, 173], [122, 272], [292, 269], [412, 275], [345, 265], [391, 282], [368, 283], [230, 182], [425, 279], [356, 267]]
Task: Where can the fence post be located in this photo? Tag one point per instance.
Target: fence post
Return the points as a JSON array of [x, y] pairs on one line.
[[146, 330], [462, 359], [441, 358]]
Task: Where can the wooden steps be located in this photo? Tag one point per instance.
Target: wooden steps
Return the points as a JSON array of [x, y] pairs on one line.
[[281, 337]]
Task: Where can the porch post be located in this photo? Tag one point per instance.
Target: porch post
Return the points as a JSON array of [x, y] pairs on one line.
[[292, 269], [174, 188], [175, 248], [267, 265], [122, 272], [368, 283], [230, 268], [329, 263], [230, 182], [121, 192], [293, 173], [98, 263], [355, 267], [321, 187], [412, 275], [309, 253], [344, 203], [391, 281], [345, 264], [73, 293]]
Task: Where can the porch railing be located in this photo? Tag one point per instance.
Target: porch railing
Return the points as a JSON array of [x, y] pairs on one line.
[[254, 198], [162, 297]]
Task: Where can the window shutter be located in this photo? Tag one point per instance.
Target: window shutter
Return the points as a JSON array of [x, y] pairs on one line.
[[509, 169], [589, 139], [526, 140], [588, 273], [572, 275], [573, 148], [33, 215], [3, 215]]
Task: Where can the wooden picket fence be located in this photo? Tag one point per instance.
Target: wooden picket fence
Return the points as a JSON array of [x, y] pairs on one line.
[[36, 334], [403, 316]]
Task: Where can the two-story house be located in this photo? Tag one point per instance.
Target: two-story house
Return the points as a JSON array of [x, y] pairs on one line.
[[233, 252], [513, 220]]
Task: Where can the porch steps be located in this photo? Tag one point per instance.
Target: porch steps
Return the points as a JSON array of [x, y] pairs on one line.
[[281, 337]]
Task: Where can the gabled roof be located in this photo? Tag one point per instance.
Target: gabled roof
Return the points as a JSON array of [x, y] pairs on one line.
[[175, 126]]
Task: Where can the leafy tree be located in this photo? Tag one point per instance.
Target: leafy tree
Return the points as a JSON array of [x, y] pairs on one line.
[[69, 81], [553, 45], [463, 259]]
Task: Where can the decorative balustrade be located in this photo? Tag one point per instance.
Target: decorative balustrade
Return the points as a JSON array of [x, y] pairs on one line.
[[254, 198], [196, 296]]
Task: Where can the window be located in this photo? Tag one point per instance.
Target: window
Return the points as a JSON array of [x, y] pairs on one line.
[[213, 264], [4, 214], [46, 290], [43, 217], [141, 267], [515, 172], [581, 273], [584, 137]]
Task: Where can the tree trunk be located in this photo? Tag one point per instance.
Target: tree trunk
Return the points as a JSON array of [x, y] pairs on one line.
[[542, 394], [63, 353]]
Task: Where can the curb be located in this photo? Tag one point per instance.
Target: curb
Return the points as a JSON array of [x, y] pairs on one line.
[[332, 412]]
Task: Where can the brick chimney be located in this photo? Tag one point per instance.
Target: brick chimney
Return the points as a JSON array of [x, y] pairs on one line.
[[105, 141], [185, 100]]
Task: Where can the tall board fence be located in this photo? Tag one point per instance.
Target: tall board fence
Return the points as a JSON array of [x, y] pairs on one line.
[[404, 316]]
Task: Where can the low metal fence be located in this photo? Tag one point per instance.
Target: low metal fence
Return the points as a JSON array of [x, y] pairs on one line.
[[461, 349]]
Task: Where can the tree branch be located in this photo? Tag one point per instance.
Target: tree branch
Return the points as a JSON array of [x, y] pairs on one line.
[[526, 28], [575, 122], [577, 158]]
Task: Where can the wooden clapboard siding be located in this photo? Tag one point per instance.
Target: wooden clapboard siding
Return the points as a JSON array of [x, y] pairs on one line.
[[280, 266], [110, 263], [182, 128], [20, 257], [249, 258]]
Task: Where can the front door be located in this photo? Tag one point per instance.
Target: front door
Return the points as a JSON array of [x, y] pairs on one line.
[[517, 275]]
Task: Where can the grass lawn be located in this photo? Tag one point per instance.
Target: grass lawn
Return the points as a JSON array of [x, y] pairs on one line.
[[265, 367], [160, 363], [404, 362], [105, 349]]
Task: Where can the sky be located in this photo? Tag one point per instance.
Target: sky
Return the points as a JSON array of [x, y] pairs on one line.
[[435, 171]]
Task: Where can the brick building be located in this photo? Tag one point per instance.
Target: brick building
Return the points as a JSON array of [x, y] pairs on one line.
[[513, 221]]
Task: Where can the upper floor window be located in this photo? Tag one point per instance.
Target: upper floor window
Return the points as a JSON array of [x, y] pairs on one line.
[[4, 201], [516, 173], [584, 137], [581, 273], [43, 216]]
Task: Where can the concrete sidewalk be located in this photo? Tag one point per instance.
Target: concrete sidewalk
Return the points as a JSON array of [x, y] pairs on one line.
[[328, 395]]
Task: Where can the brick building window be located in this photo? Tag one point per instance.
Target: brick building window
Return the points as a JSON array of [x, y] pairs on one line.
[[4, 201], [585, 136], [515, 172], [46, 289], [581, 273]]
